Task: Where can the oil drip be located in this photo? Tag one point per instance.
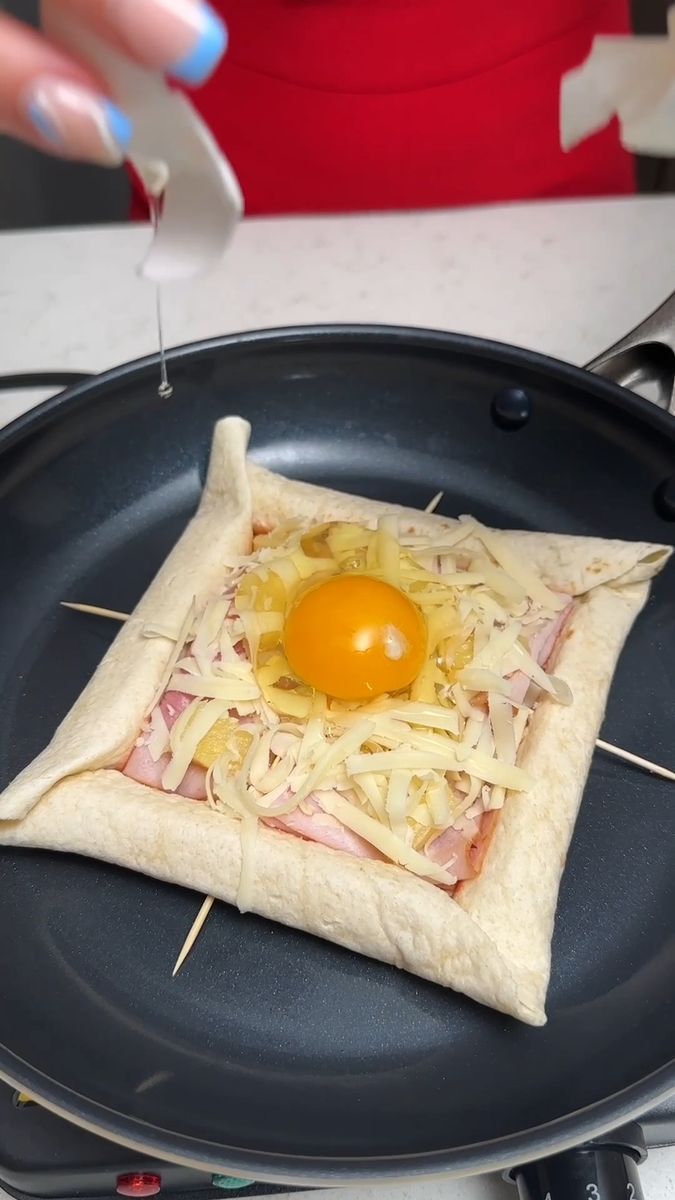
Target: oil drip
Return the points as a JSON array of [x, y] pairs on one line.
[[165, 389]]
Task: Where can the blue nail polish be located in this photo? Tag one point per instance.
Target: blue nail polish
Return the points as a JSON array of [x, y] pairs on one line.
[[120, 125], [203, 59], [44, 123]]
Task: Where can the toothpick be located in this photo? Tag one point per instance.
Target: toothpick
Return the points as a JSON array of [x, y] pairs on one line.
[[433, 504], [635, 758], [95, 611], [197, 926]]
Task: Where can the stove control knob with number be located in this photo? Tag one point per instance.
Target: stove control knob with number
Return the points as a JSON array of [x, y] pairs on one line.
[[139, 1183], [604, 1169]]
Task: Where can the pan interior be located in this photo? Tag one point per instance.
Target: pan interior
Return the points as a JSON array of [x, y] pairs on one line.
[[272, 1041]]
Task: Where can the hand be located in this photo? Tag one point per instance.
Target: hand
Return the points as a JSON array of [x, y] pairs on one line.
[[51, 101]]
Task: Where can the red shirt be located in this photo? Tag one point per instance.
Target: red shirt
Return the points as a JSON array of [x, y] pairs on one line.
[[347, 105]]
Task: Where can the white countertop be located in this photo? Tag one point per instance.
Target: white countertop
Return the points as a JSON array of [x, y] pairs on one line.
[[567, 279]]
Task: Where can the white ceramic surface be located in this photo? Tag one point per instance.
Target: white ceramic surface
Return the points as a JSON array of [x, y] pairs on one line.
[[567, 279]]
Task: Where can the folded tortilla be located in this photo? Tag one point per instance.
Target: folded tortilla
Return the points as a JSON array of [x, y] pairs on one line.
[[492, 940]]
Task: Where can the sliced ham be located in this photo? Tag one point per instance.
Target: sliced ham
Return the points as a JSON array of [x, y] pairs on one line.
[[172, 705], [453, 849], [321, 827], [193, 784], [544, 647], [463, 850], [546, 643], [141, 766], [480, 845]]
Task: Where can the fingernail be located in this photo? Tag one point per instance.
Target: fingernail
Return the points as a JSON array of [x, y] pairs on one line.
[[77, 122], [199, 63], [184, 38]]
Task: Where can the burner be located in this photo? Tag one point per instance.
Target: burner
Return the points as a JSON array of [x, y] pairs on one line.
[[44, 1156]]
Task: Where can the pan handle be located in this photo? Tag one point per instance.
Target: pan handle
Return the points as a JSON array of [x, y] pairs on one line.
[[603, 1169], [645, 355]]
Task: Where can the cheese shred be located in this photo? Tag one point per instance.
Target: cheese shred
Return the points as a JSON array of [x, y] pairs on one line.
[[397, 772]]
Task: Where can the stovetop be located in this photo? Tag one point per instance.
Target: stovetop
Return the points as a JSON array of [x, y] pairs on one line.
[[43, 1156]]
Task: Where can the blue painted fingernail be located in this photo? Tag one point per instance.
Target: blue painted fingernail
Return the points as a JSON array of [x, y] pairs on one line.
[[120, 125], [77, 122], [196, 66], [44, 124]]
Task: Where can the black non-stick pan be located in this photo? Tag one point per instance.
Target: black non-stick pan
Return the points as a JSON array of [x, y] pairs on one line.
[[273, 1054]]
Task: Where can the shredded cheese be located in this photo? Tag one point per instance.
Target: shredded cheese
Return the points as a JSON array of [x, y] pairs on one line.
[[175, 654], [519, 570], [335, 754], [388, 550], [479, 679], [232, 690], [399, 770], [397, 802], [192, 725], [384, 840], [501, 717]]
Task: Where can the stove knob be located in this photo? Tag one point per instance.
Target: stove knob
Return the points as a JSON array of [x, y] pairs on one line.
[[138, 1184]]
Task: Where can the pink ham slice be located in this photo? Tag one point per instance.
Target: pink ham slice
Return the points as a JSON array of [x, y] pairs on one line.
[[172, 705], [546, 643], [452, 849], [544, 648], [480, 845], [320, 827], [141, 766], [463, 850]]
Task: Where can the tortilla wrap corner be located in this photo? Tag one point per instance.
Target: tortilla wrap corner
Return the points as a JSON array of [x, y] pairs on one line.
[[104, 722]]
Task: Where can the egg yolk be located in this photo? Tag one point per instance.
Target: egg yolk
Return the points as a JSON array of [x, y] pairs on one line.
[[355, 638]]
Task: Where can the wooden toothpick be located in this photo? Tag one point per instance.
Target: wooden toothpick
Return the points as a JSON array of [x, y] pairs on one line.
[[433, 504], [635, 759], [195, 930], [95, 611]]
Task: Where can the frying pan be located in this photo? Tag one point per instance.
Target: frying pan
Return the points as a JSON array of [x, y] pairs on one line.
[[275, 1055]]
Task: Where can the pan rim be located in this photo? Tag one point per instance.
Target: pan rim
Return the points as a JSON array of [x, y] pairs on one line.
[[378, 334], [479, 1157]]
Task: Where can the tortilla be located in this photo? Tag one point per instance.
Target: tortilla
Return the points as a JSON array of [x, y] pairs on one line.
[[492, 940]]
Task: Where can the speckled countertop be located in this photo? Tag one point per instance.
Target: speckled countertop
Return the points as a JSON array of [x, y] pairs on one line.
[[567, 279]]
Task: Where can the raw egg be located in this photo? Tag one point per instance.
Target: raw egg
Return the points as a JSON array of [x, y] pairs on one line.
[[355, 638]]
